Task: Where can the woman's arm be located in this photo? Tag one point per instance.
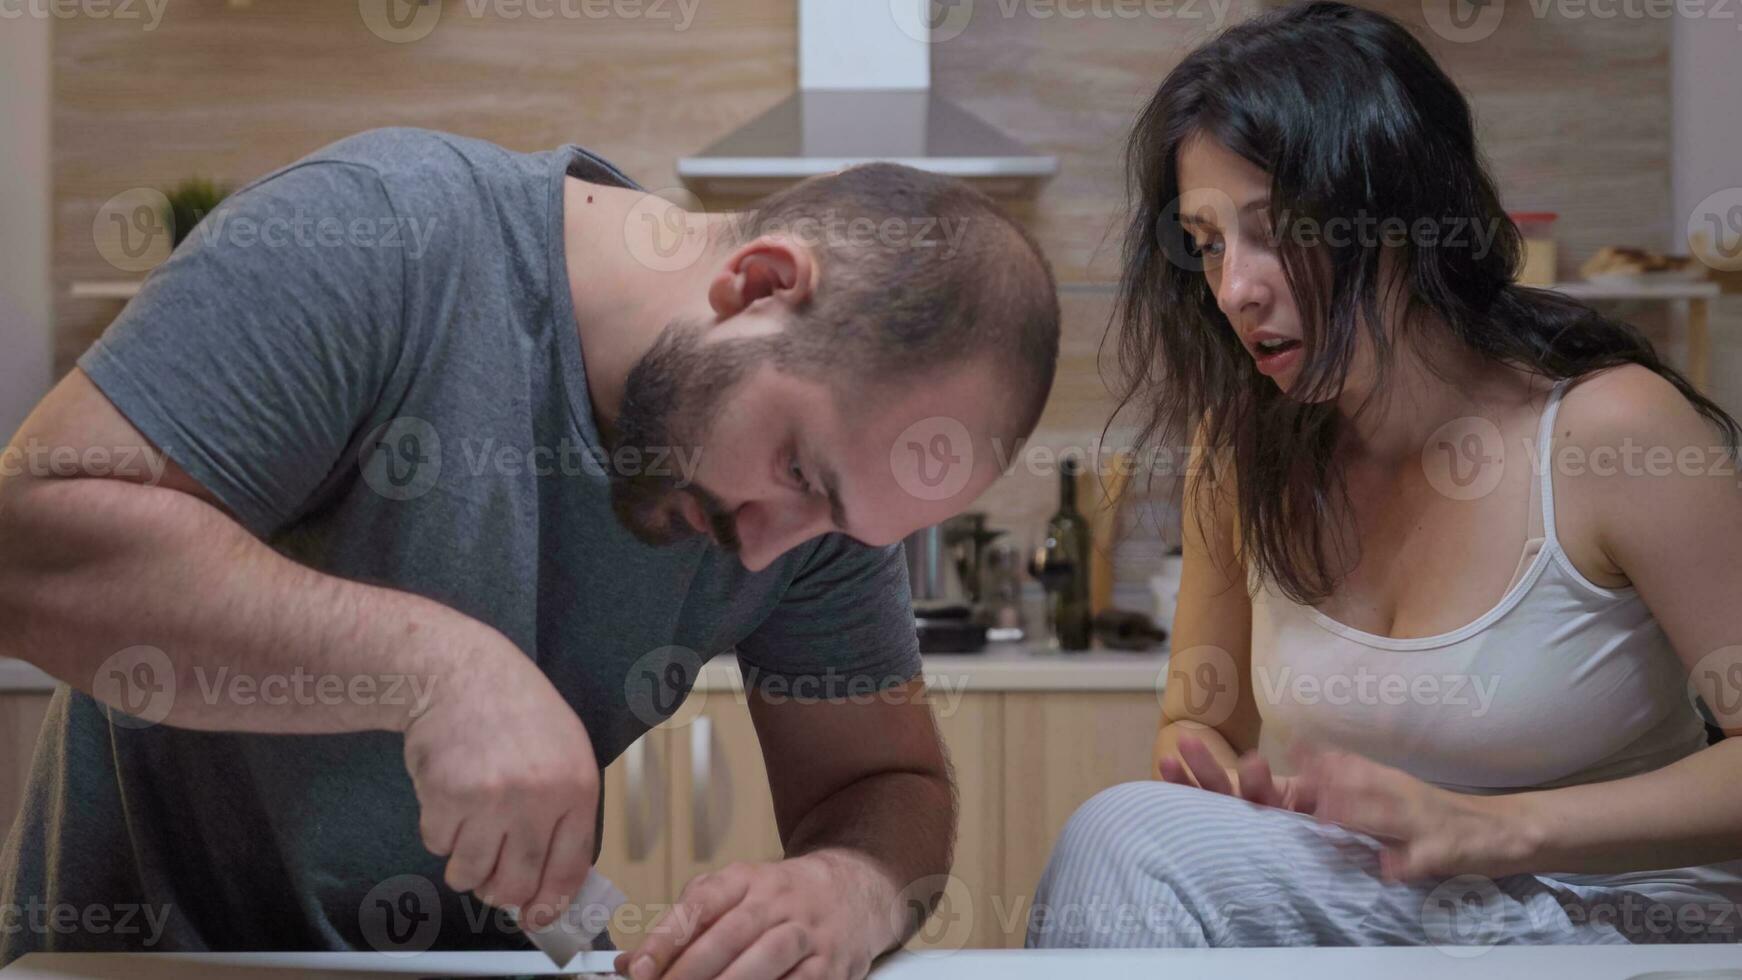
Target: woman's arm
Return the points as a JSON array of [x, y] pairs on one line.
[[1641, 491], [1207, 695], [1665, 507]]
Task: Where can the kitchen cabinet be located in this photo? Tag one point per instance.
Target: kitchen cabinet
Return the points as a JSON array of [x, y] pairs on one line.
[[1024, 761], [1060, 749], [21, 715]]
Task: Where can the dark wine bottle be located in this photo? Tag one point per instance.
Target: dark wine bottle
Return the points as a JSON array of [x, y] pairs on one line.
[[1065, 557]]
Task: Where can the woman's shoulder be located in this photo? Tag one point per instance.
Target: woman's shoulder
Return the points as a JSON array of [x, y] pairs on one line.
[[1628, 408]]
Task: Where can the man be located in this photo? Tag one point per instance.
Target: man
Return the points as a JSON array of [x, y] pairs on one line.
[[407, 473]]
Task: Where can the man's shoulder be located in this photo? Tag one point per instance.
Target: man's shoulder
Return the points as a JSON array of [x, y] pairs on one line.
[[408, 150]]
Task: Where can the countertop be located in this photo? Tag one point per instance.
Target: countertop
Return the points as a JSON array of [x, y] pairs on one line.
[[1002, 667], [1715, 962]]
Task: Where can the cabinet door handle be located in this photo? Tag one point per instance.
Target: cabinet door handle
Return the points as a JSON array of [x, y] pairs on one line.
[[644, 802], [710, 790]]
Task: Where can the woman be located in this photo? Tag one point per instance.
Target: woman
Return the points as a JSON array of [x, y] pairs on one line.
[[1421, 577]]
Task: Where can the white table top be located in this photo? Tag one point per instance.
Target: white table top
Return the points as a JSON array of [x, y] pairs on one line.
[[1002, 667], [1719, 962]]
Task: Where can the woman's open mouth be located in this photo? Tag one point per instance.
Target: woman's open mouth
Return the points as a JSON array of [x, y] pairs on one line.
[[1275, 355]]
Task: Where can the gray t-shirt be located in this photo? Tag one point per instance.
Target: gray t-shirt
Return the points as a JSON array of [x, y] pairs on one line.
[[370, 357]]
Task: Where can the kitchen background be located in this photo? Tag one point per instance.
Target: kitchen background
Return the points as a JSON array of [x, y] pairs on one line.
[[1625, 125]]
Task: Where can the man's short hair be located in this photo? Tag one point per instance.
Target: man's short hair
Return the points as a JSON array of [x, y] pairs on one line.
[[920, 273]]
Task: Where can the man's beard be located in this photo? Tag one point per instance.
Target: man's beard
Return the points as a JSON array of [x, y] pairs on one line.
[[670, 397]]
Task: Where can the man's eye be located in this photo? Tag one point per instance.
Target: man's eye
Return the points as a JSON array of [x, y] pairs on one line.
[[797, 473]]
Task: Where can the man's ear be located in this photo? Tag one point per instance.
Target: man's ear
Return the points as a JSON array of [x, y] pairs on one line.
[[771, 267]]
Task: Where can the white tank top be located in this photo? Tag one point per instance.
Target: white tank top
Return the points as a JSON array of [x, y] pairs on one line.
[[1561, 682]]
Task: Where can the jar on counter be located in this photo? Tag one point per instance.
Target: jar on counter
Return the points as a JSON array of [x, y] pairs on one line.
[[1537, 229]]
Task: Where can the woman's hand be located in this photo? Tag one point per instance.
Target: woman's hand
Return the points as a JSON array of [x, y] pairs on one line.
[[1425, 831], [1250, 779]]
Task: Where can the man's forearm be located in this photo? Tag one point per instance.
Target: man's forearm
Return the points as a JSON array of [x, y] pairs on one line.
[[899, 826], [250, 640]]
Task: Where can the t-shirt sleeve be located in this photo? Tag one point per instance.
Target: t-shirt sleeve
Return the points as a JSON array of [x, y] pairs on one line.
[[844, 626], [253, 355]]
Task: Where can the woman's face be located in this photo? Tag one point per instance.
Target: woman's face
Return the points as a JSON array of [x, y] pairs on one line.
[[1225, 208]]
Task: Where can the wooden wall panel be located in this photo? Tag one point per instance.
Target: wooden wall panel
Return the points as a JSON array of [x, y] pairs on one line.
[[1574, 114]]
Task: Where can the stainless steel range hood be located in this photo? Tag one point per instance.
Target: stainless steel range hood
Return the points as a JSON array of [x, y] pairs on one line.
[[864, 95]]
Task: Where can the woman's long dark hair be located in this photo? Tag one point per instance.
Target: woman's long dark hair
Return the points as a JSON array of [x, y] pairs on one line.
[[1350, 117]]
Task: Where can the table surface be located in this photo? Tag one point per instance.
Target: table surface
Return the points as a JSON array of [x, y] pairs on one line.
[[1703, 962]]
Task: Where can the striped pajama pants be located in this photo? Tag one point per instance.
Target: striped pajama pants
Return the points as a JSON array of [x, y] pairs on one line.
[[1154, 864]]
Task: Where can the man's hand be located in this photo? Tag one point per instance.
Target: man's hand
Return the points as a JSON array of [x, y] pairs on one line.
[[803, 917], [507, 784]]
